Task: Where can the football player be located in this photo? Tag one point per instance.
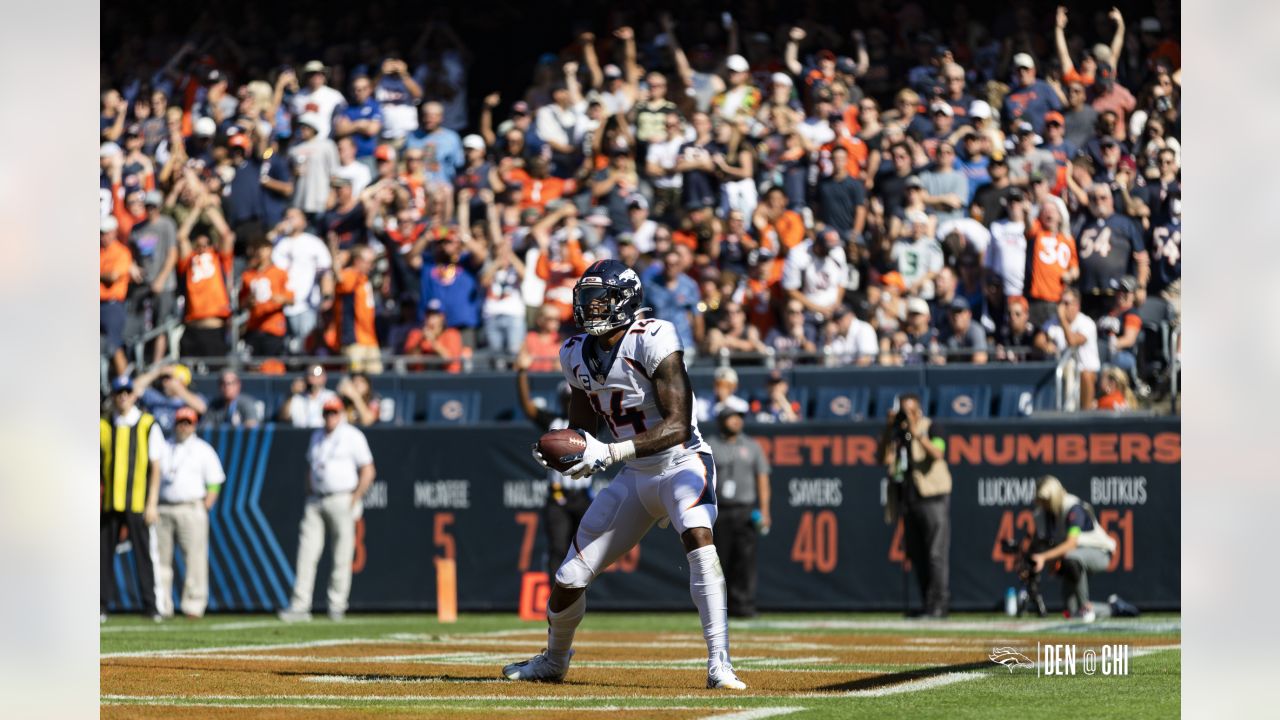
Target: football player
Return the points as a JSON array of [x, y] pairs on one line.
[[629, 373]]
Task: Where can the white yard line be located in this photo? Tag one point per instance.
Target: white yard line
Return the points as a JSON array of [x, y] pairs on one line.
[[177, 701], [755, 713]]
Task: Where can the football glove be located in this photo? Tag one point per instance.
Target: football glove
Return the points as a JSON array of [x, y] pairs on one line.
[[594, 459]]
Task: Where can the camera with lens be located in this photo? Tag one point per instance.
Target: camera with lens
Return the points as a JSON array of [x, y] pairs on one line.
[[1029, 597]]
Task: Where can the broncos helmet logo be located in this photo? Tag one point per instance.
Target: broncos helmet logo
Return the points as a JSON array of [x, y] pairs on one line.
[[606, 297]]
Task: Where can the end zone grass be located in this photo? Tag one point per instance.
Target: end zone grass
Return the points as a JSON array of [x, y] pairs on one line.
[[633, 665]]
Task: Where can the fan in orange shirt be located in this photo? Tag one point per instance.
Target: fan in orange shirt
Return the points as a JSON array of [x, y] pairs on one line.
[[1054, 263], [761, 290], [537, 187], [560, 260], [265, 291], [434, 340], [542, 344], [205, 270], [114, 264], [779, 228], [351, 329]]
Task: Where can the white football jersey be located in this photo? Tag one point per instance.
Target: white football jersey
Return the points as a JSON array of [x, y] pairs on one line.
[[621, 390]]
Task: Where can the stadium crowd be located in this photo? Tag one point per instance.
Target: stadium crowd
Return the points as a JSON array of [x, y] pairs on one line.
[[902, 188]]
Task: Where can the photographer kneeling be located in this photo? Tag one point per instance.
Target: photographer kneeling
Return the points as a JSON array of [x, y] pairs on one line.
[[1085, 548], [921, 491]]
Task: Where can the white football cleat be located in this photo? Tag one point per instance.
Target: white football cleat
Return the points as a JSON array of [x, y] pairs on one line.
[[539, 668], [722, 676]]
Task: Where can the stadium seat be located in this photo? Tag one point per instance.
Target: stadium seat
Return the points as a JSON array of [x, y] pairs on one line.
[[963, 401], [886, 394], [396, 408], [453, 407], [842, 403], [1016, 401]]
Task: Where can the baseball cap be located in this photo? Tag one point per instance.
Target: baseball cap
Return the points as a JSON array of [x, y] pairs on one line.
[[846, 65], [1053, 116], [134, 130], [520, 107], [121, 383], [958, 304], [311, 120], [385, 152], [1023, 60], [637, 202], [729, 408], [186, 414], [625, 238], [917, 306], [893, 279], [737, 63], [914, 182], [1105, 75], [781, 79], [979, 109], [473, 142], [214, 77], [435, 306], [1109, 141], [153, 198], [313, 66], [943, 107], [333, 404], [827, 55], [205, 127], [110, 149], [1149, 25], [1022, 127], [240, 140], [181, 373], [598, 217], [612, 71], [726, 374], [109, 224], [916, 216]]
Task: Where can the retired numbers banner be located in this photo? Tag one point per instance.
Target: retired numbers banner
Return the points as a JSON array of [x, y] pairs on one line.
[[474, 494]]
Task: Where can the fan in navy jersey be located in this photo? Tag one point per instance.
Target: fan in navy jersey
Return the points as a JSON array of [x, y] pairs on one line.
[[1111, 246], [629, 373]]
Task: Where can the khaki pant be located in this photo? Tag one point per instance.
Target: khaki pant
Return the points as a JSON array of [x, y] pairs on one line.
[[188, 523], [364, 358], [332, 513]]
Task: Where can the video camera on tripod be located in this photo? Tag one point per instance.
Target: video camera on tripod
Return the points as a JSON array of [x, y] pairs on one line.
[[1029, 596]]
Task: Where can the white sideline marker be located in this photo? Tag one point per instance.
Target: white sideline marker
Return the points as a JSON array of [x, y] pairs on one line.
[[755, 713]]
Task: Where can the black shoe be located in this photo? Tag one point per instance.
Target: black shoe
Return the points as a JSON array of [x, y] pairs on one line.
[[1121, 608]]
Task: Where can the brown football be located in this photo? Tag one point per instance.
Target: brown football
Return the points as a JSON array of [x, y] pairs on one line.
[[562, 448]]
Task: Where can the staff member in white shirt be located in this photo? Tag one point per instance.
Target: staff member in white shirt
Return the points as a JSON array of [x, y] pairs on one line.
[[190, 477], [341, 473]]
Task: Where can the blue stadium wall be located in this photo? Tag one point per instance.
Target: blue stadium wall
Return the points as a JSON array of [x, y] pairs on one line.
[[473, 493]]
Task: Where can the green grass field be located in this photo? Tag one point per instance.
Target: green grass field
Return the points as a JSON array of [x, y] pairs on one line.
[[637, 665]]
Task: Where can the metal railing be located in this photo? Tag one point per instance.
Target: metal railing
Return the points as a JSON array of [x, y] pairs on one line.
[[1175, 369], [1066, 382]]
